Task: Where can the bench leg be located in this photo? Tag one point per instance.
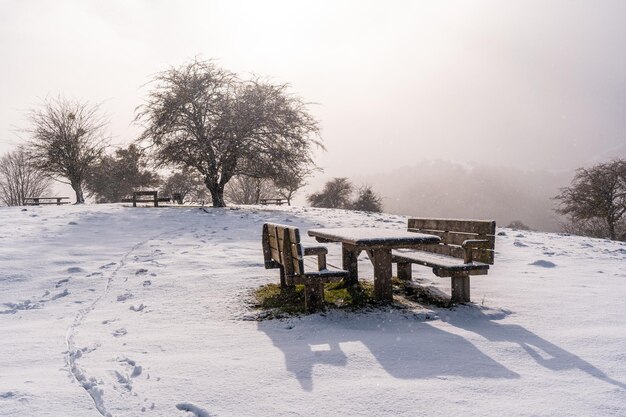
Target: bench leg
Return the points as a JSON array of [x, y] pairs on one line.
[[313, 297], [349, 257], [460, 288], [405, 272], [383, 289], [283, 282]]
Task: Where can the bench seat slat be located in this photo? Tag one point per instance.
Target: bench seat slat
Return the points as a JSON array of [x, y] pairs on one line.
[[437, 261]]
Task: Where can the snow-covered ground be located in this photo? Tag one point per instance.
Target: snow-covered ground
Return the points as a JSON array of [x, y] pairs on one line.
[[109, 310]]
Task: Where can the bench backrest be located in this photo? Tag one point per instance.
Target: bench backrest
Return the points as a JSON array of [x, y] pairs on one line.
[[282, 248], [454, 232]]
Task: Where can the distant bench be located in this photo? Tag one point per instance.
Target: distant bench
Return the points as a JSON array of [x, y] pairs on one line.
[[277, 201], [149, 197], [36, 201], [466, 248], [282, 249]]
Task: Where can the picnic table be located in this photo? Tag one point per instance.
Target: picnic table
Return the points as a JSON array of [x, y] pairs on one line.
[[378, 243]]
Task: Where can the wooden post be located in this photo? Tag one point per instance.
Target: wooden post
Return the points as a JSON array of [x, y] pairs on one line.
[[382, 275], [460, 288], [321, 261], [313, 296], [405, 272], [350, 255], [134, 199]]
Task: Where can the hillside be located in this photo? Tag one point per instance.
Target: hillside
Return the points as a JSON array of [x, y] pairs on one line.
[[115, 311]]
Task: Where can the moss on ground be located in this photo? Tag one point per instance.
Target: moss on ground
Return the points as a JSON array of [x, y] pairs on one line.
[[276, 303]]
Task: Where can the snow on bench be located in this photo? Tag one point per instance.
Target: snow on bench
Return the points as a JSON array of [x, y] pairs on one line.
[[466, 248]]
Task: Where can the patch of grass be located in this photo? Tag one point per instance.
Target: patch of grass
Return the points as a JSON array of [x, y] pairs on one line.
[[274, 302], [289, 301], [352, 297]]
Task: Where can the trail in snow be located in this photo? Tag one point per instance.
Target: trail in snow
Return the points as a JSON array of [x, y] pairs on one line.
[[91, 385]]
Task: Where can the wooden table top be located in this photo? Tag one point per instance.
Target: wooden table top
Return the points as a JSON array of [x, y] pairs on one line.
[[373, 236]]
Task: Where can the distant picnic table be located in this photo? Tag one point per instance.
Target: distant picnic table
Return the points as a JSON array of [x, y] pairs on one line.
[[277, 201], [146, 197], [36, 201]]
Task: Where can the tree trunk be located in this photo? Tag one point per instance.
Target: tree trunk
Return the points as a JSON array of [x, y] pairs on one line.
[[611, 225], [218, 198], [217, 194], [78, 189]]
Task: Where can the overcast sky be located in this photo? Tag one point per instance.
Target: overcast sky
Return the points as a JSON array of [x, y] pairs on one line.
[[532, 84]]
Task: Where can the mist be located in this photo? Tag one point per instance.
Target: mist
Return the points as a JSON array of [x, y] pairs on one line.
[[534, 88]]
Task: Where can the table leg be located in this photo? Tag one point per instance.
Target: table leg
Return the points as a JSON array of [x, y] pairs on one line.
[[381, 259], [349, 256]]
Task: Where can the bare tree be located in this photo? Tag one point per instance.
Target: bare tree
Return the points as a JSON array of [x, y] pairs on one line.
[[117, 176], [20, 179], [248, 190], [204, 117], [186, 183], [289, 182], [598, 192], [67, 140], [336, 194], [367, 200]]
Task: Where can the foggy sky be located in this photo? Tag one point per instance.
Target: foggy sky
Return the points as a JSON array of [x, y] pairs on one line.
[[526, 84]]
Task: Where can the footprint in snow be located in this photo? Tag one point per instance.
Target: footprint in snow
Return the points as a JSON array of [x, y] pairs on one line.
[[110, 264], [147, 283], [138, 308], [124, 297], [74, 270], [120, 332], [60, 295], [136, 369], [543, 264], [24, 305], [61, 282], [73, 223], [194, 409], [141, 271], [519, 244]]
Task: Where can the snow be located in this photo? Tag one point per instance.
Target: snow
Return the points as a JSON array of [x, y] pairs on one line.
[[372, 235], [113, 311]]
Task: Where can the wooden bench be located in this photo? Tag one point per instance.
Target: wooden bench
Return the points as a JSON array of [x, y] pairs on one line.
[[466, 248], [277, 201], [153, 198], [36, 201], [282, 249]]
